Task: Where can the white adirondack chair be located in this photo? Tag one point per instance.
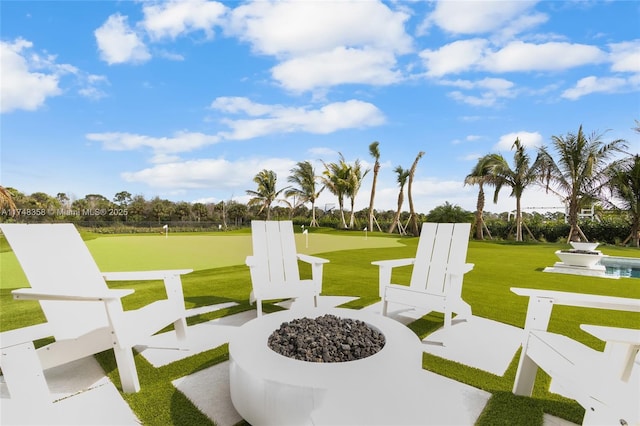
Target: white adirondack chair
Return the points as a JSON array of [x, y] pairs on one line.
[[437, 275], [274, 265], [606, 384], [83, 315]]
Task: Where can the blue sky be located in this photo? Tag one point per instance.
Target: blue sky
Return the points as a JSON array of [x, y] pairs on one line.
[[188, 100]]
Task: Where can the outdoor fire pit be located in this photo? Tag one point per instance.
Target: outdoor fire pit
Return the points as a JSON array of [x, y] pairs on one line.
[[327, 338], [268, 387]]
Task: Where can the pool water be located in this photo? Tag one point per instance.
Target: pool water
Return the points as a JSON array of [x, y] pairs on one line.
[[622, 272], [621, 266]]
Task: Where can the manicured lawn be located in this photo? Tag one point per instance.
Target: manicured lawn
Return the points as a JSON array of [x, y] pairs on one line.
[[221, 276], [198, 251]]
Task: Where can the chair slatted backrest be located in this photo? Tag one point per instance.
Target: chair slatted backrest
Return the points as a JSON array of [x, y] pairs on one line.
[[440, 245], [274, 248], [54, 258]]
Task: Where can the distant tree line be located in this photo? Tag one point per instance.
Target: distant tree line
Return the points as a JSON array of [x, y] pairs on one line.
[[135, 214], [578, 170]]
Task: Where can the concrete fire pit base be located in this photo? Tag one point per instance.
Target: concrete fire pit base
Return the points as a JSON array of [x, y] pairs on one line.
[[270, 389]]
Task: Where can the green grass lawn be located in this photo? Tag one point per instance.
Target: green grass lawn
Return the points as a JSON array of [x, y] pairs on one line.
[[220, 275]]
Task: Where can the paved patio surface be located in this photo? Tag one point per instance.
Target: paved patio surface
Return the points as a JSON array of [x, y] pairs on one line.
[[86, 396]]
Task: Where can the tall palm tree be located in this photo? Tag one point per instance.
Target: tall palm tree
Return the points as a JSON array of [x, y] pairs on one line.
[[374, 151], [578, 171], [354, 182], [401, 178], [624, 185], [266, 193], [304, 176], [336, 179], [413, 219], [7, 201], [480, 175], [521, 176]]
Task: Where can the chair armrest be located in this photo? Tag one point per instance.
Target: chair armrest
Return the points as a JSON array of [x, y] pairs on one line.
[[101, 296], [23, 335], [392, 263], [311, 259], [628, 336], [581, 299], [385, 268], [460, 269], [144, 275]]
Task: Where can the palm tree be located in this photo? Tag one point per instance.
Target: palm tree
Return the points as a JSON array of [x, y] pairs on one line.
[[413, 219], [401, 178], [266, 193], [375, 153], [7, 201], [578, 171], [354, 182], [480, 175], [518, 178], [624, 185], [336, 179], [304, 176]]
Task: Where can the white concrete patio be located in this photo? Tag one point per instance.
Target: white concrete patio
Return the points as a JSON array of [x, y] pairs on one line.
[[86, 396]]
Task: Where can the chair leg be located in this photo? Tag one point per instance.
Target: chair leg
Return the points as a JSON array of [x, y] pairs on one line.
[[181, 329], [259, 307], [384, 307], [127, 369], [525, 375], [24, 376], [447, 317]]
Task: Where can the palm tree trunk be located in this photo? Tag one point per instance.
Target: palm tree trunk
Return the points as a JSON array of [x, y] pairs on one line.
[[396, 217], [341, 206], [415, 230], [518, 220], [352, 218], [376, 168], [479, 211], [314, 222]]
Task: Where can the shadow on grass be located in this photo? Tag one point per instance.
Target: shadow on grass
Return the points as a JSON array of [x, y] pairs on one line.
[[157, 391]]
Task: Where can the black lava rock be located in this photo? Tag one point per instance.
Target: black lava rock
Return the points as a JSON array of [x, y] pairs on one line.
[[327, 338]]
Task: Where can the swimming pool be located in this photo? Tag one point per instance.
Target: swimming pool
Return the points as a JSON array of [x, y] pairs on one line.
[[621, 266]]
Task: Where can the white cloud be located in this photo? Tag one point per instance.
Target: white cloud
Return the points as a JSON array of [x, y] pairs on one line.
[[177, 17], [593, 84], [263, 120], [625, 56], [211, 173], [322, 44], [118, 43], [161, 146], [476, 55], [455, 57], [279, 119], [241, 105], [21, 87], [491, 91], [339, 66], [552, 56], [299, 28], [483, 100], [527, 139], [29, 77], [477, 17]]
